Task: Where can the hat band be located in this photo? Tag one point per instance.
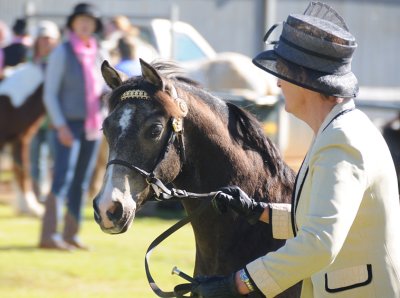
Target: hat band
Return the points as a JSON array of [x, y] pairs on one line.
[[318, 44], [316, 54], [310, 59]]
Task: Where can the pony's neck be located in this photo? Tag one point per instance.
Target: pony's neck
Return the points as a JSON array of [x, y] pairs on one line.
[[214, 159]]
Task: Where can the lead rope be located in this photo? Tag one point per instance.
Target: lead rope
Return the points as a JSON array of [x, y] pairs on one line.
[[163, 193], [181, 289]]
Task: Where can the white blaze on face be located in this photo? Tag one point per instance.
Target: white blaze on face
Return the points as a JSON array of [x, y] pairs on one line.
[[115, 190], [105, 201], [116, 186], [125, 120]]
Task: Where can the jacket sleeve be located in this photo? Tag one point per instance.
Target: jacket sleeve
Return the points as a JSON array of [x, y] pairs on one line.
[[53, 77], [336, 191], [280, 220]]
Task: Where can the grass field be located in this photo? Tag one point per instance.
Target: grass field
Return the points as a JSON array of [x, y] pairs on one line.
[[114, 266]]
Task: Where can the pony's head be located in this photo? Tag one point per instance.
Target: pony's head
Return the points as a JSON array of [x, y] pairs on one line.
[[142, 131]]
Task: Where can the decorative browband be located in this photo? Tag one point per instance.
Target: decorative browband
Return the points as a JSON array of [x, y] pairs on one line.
[[139, 94]]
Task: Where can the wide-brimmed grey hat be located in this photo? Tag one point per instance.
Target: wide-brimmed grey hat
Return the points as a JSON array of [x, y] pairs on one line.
[[314, 51]]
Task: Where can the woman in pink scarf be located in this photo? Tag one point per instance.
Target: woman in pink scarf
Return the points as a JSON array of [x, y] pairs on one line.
[[72, 90]]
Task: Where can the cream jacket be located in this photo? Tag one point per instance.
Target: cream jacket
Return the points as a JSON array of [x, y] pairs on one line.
[[346, 217]]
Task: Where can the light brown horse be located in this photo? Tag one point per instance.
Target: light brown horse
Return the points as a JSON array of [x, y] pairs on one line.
[[156, 118]]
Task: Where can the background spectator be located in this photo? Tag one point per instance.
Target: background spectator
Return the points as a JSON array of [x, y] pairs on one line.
[[129, 62], [47, 37], [17, 51], [121, 27], [72, 91], [4, 36]]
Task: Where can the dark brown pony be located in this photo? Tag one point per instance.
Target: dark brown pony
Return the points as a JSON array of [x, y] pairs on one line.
[[17, 127], [223, 144]]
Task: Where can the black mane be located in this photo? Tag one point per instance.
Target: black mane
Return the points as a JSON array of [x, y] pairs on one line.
[[251, 134]]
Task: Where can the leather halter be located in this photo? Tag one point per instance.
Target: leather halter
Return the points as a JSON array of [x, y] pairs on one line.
[[175, 133], [160, 190]]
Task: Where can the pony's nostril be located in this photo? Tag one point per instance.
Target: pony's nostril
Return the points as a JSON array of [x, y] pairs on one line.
[[115, 212]]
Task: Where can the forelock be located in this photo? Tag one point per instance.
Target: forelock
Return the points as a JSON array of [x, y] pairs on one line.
[[137, 88]]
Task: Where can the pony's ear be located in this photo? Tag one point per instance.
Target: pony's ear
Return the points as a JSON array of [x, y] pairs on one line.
[[110, 75], [151, 75]]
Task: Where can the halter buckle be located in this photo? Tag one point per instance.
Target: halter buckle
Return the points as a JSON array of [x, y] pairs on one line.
[[177, 124]]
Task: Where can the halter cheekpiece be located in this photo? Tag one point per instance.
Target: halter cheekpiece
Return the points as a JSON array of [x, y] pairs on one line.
[[175, 137]]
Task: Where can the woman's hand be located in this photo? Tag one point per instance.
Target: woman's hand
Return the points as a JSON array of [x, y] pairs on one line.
[[230, 286], [216, 287], [65, 136], [239, 201]]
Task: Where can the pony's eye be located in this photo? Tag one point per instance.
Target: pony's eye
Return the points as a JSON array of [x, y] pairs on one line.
[[155, 131]]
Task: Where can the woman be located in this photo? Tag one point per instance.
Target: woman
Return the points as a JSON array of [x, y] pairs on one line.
[[342, 230], [73, 87]]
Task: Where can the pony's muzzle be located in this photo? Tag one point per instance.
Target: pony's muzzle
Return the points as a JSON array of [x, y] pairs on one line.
[[113, 218], [115, 212]]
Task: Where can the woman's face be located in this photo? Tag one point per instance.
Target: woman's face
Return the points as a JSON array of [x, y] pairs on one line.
[[294, 97], [83, 26]]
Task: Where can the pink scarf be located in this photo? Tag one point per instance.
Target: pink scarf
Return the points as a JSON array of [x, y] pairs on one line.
[[1, 60], [87, 57]]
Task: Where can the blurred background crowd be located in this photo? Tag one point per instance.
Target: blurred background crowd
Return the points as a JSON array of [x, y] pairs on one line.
[[53, 74], [52, 143]]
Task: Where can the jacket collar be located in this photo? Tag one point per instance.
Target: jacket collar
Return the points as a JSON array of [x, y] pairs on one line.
[[340, 107], [347, 104]]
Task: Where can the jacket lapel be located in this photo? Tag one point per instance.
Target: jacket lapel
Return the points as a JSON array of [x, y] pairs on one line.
[[338, 110]]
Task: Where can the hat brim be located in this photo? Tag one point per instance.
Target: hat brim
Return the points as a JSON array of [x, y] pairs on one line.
[[345, 86]]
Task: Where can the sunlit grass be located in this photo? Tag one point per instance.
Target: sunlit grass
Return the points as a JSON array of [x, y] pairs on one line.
[[114, 266]]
